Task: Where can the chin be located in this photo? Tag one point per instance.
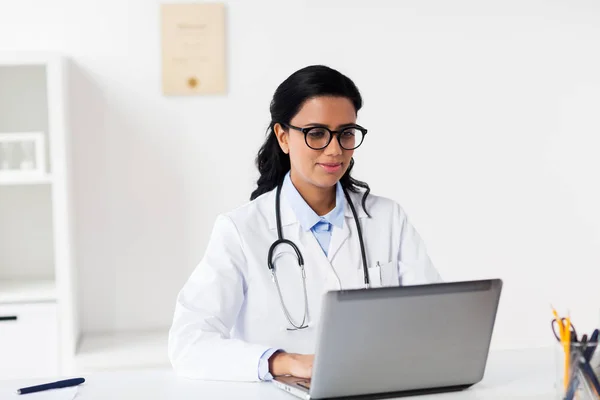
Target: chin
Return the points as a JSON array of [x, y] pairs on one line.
[[328, 180]]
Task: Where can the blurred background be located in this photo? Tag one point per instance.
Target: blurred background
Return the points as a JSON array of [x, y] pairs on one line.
[[483, 124]]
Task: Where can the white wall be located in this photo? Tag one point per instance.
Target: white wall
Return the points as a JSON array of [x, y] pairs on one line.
[[483, 119]]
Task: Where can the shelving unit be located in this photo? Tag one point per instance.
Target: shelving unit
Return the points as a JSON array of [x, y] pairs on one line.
[[30, 180], [38, 277], [37, 271]]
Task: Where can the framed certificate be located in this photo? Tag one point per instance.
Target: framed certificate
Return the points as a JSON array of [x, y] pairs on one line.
[[193, 48]]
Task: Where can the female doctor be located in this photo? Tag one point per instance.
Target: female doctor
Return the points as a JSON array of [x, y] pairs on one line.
[[250, 309]]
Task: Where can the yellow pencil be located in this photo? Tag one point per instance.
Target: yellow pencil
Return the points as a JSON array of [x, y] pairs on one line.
[[567, 348], [561, 331], [564, 340]]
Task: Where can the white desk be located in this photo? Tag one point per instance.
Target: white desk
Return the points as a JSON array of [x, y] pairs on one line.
[[525, 374]]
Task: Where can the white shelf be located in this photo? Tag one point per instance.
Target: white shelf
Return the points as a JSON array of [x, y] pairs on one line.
[[25, 180], [27, 291], [111, 351], [20, 58], [37, 205]]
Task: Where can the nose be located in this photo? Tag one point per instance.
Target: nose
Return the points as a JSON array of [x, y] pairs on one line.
[[333, 148]]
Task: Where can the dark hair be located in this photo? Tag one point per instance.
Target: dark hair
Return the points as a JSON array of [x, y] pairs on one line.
[[304, 84]]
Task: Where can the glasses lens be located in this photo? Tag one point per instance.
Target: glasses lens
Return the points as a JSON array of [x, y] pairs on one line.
[[317, 138], [351, 138]]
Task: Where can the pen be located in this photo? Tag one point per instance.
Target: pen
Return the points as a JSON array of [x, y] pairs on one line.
[[53, 385], [590, 375], [587, 356], [585, 373], [576, 376]]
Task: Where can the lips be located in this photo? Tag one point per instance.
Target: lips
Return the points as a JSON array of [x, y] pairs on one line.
[[331, 167]]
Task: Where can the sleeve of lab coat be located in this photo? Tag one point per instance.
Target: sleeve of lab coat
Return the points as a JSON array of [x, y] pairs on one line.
[[415, 266], [207, 307]]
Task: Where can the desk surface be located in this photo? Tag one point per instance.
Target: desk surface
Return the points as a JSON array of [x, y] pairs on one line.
[[524, 374]]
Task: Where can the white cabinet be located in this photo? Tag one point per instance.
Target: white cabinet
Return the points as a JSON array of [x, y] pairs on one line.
[[28, 340], [38, 314]]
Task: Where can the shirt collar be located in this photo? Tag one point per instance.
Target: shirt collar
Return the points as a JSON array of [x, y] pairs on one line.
[[306, 215]]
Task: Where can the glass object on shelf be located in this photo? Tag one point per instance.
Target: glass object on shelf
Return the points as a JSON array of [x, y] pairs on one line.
[[5, 155], [27, 155], [22, 155]]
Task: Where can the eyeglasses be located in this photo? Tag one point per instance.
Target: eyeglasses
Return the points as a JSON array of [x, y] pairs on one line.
[[319, 137]]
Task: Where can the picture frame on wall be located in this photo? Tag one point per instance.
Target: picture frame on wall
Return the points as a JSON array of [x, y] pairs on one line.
[[22, 155], [193, 47]]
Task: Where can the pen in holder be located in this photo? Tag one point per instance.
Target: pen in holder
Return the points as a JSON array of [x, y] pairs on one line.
[[575, 377]]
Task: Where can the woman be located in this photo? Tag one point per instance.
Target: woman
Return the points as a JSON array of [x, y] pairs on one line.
[[234, 319]]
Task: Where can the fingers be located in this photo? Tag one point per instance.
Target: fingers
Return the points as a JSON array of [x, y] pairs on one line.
[[308, 365]]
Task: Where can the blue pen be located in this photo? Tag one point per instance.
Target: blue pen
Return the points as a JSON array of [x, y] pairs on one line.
[[584, 358], [591, 376], [52, 385], [587, 358]]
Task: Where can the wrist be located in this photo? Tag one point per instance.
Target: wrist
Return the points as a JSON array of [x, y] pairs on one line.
[[278, 364]]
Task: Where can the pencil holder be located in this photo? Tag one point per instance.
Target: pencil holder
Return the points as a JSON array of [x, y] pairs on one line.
[[575, 375]]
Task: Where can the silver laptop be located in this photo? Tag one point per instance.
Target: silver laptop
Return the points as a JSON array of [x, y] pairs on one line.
[[399, 341]]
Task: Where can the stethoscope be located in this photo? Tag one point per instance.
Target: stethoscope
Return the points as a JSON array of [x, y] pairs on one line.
[[281, 240]]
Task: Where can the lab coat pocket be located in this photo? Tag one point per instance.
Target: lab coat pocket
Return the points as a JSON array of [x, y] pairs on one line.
[[374, 275], [389, 274]]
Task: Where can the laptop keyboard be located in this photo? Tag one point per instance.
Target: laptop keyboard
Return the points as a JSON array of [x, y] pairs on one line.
[[304, 384]]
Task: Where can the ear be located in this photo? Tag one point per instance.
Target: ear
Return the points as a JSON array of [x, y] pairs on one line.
[[282, 137]]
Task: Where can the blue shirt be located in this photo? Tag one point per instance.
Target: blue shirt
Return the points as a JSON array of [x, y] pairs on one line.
[[320, 226]]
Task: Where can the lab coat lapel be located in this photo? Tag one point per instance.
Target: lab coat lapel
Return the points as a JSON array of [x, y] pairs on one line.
[[338, 238], [315, 254], [288, 217]]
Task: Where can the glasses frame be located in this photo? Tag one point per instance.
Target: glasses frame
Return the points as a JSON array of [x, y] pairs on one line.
[[332, 133]]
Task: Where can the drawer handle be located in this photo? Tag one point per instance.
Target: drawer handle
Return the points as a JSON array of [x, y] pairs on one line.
[[8, 318]]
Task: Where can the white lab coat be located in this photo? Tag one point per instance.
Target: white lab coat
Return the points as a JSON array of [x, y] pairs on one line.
[[228, 313]]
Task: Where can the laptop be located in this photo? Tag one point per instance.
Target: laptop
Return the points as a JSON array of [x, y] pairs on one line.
[[400, 341]]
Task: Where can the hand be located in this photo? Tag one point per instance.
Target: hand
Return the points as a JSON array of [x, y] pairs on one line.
[[298, 365]]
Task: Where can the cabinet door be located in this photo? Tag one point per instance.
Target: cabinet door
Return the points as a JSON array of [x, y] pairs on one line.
[[28, 340]]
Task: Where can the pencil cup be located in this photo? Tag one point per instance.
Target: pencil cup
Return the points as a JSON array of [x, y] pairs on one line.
[[575, 376]]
